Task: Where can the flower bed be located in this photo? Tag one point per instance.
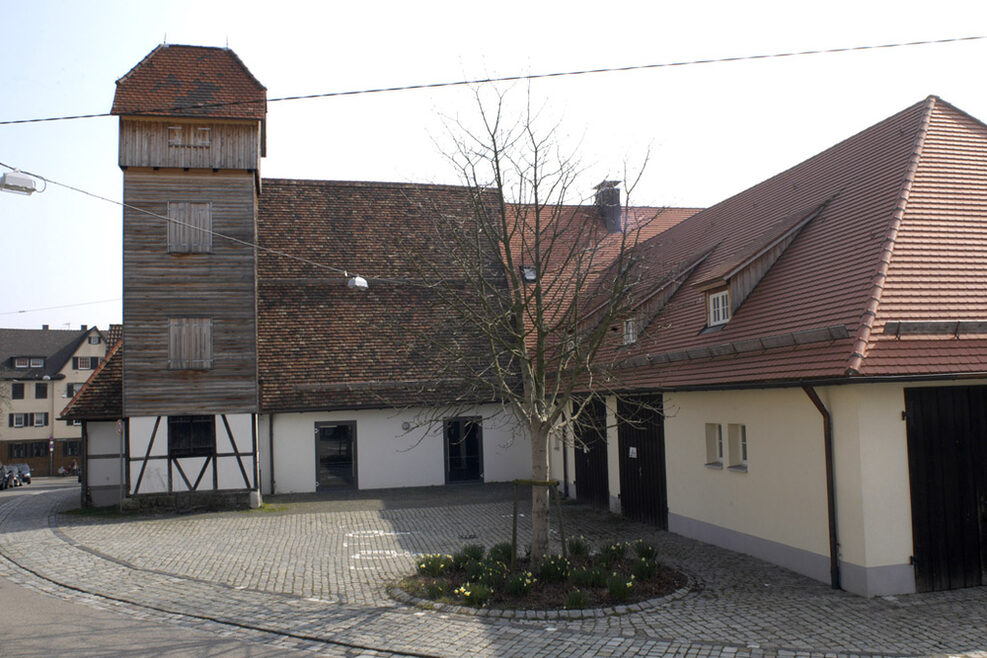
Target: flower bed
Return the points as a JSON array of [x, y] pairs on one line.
[[616, 574]]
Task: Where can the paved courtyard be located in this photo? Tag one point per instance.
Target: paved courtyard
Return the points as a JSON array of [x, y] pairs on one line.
[[312, 574]]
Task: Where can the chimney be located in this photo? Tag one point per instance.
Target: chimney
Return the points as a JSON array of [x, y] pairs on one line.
[[84, 327], [44, 327], [608, 201]]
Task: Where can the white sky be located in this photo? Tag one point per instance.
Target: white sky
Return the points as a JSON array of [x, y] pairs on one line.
[[713, 130]]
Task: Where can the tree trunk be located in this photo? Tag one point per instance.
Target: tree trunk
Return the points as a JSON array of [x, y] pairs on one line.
[[539, 495]]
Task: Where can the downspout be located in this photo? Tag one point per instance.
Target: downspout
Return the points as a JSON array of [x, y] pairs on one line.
[[834, 542], [270, 446]]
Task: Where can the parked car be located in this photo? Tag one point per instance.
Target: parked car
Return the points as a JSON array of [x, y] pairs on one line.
[[24, 471]]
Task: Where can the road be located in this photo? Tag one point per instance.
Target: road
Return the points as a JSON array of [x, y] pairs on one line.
[[33, 623]]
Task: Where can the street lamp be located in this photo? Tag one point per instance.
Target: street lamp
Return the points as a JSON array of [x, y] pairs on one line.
[[18, 183]]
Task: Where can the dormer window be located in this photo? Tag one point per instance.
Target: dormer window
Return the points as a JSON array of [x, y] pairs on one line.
[[20, 362], [529, 273], [630, 332], [717, 307]]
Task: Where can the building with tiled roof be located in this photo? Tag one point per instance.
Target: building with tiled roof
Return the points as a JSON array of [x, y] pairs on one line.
[[39, 370], [818, 342]]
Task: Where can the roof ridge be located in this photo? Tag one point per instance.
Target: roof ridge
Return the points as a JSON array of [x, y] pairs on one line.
[[862, 337]]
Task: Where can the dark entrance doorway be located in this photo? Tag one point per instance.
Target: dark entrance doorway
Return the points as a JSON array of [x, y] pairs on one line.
[[947, 466], [641, 439], [591, 455], [335, 455], [464, 450]]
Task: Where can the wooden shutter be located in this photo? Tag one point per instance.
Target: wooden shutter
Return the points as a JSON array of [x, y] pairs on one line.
[[200, 238], [190, 343], [178, 227]]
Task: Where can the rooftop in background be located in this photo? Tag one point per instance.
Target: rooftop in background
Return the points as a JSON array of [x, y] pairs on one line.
[[55, 346]]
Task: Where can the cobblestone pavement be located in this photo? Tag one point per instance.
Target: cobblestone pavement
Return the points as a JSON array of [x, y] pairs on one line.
[[313, 575]]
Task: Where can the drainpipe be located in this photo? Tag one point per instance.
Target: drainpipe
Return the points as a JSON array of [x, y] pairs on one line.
[[270, 446], [834, 543]]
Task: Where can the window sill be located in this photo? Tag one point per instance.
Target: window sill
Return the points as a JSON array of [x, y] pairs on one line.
[[715, 465], [738, 468]]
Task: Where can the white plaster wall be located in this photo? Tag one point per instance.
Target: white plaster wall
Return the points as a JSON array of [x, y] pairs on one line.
[[103, 440], [386, 455], [155, 479], [782, 496]]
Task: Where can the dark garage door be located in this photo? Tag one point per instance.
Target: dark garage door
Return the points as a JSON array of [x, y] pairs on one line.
[[591, 456], [947, 465], [641, 434]]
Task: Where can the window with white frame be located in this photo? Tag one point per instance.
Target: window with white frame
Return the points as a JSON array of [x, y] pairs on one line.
[[37, 362], [21, 362], [630, 331], [190, 343], [718, 307], [39, 420], [189, 227], [714, 445], [72, 388], [17, 420], [737, 440], [95, 339]]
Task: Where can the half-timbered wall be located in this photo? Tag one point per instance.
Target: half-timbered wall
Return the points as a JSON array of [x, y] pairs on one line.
[[194, 144], [160, 287], [153, 470]]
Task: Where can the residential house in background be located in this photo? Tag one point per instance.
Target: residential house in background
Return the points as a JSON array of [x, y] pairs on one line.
[[40, 370]]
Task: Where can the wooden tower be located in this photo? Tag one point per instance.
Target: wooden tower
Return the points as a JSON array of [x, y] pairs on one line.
[[192, 134]]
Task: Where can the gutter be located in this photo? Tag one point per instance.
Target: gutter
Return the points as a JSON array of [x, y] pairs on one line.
[[834, 542], [270, 446]]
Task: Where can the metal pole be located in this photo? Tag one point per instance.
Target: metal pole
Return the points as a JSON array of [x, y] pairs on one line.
[[514, 530]]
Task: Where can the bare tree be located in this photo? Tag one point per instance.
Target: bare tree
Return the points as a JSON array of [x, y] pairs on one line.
[[541, 276]]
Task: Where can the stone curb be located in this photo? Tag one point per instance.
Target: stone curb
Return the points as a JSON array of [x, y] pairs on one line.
[[400, 595]]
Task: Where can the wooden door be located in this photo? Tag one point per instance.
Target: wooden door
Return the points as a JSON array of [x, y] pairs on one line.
[[641, 438], [947, 465], [591, 456]]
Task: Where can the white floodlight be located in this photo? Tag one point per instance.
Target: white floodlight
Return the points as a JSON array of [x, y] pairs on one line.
[[358, 283], [18, 183]]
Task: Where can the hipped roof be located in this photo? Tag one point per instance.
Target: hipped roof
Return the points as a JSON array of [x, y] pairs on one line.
[[191, 81], [900, 237]]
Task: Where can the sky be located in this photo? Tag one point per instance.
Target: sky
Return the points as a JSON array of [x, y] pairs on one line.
[[709, 131]]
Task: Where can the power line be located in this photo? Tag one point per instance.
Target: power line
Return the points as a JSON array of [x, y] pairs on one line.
[[338, 270], [516, 78], [55, 308]]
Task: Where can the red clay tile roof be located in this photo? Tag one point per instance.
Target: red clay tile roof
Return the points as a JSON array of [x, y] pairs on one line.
[[324, 346], [923, 172], [191, 81], [101, 397]]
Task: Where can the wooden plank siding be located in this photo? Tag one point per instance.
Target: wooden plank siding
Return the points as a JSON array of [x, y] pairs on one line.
[[743, 282], [145, 143], [159, 286]]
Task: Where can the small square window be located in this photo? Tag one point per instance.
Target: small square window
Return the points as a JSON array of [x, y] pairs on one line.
[[718, 307], [529, 273], [41, 391], [189, 344], [37, 363], [40, 420], [202, 136], [630, 332], [17, 391], [714, 445], [21, 362], [191, 436], [18, 420], [95, 340], [175, 135]]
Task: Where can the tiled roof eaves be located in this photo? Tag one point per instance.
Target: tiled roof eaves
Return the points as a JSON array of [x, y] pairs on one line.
[[866, 324], [69, 411]]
